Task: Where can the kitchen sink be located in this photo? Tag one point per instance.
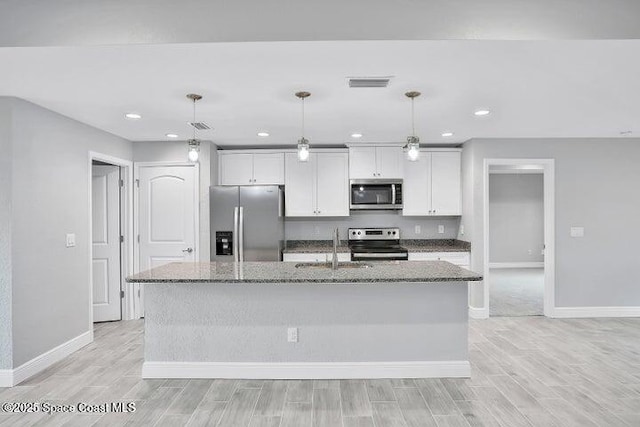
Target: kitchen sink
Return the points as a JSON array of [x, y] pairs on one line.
[[328, 265]]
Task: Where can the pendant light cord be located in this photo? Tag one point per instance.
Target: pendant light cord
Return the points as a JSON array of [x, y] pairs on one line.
[[413, 119], [303, 118], [194, 119]]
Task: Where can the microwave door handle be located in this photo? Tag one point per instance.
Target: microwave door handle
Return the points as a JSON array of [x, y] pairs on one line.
[[393, 194]]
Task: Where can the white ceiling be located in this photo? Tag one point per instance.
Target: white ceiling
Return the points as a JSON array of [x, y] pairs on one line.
[[533, 88]]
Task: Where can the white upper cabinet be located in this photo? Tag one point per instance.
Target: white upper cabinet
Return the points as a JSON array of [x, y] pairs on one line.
[[251, 168], [318, 187], [372, 162], [445, 183], [431, 184]]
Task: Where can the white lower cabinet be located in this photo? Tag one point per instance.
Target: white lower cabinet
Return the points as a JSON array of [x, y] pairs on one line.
[[461, 259], [315, 257]]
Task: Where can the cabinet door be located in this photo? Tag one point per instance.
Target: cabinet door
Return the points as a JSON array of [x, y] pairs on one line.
[[268, 168], [236, 169], [362, 163], [416, 188], [299, 185], [445, 183], [389, 162], [332, 197]]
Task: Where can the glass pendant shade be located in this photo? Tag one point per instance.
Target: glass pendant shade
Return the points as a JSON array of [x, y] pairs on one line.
[[194, 149], [303, 149], [413, 148]]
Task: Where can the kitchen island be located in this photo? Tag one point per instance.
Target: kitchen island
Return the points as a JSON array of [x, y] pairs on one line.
[[264, 320]]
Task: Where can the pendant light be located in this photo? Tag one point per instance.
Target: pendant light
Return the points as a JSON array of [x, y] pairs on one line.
[[193, 143], [303, 143], [413, 142]]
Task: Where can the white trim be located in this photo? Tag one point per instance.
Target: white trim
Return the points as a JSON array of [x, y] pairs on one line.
[[6, 377], [126, 269], [532, 264], [548, 166], [12, 377], [332, 370], [478, 313], [576, 312]]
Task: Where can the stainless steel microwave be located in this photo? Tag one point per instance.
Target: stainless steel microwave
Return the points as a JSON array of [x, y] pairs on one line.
[[376, 194]]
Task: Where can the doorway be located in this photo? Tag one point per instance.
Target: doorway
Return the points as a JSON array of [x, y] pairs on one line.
[[519, 237], [110, 230]]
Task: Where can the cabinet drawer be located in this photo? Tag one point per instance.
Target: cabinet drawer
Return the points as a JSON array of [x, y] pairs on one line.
[[314, 257], [457, 258]]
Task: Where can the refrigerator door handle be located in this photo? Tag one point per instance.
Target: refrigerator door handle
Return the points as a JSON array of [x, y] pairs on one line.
[[241, 236], [235, 234]]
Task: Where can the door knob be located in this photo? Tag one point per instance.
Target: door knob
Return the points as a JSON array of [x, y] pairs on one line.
[[188, 250]]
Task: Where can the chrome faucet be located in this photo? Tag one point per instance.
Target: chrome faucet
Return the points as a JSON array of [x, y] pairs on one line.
[[334, 260]]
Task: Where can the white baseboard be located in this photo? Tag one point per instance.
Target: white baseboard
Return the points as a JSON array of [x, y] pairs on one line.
[[40, 363], [575, 312], [478, 313], [337, 370], [6, 377], [516, 264]]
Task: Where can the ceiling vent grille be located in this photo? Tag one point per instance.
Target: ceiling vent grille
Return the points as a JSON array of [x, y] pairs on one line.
[[199, 125], [358, 82]]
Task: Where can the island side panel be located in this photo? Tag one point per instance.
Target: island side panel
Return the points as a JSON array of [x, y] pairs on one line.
[[238, 325]]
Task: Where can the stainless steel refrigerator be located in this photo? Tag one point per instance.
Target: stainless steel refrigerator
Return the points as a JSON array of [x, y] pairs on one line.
[[247, 223]]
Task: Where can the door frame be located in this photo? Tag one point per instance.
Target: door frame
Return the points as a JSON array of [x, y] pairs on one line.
[[548, 171], [126, 215], [138, 288]]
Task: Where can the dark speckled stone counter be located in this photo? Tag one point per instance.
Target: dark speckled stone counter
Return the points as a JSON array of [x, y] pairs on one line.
[[287, 272], [313, 246], [436, 245]]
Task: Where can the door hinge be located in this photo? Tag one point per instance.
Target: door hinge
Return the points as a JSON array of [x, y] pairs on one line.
[[138, 293], [138, 183], [121, 239], [138, 238], [121, 183], [121, 294]]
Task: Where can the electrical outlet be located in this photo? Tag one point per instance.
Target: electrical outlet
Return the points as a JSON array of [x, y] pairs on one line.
[[417, 229], [292, 335], [576, 231], [71, 240], [462, 229], [441, 229]]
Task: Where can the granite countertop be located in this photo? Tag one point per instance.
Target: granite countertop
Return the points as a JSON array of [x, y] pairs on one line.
[[286, 272], [436, 245], [414, 245], [313, 246]]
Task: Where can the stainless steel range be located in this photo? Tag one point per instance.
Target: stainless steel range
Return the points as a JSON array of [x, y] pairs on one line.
[[376, 244]]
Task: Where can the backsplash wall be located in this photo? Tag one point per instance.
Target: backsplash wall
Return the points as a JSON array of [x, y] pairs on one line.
[[322, 228]]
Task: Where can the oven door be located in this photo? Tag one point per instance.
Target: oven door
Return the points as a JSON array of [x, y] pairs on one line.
[[376, 194], [379, 256]]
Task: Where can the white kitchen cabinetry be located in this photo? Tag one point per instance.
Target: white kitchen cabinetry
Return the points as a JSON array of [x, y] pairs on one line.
[[431, 185], [251, 168], [461, 259], [372, 162], [318, 187], [315, 257]]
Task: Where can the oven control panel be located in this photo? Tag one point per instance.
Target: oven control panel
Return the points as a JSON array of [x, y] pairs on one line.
[[374, 234]]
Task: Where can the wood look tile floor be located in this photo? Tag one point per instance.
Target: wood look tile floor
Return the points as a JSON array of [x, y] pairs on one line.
[[526, 371]]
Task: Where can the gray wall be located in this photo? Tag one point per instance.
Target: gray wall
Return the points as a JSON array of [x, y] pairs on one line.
[[50, 198], [5, 235], [176, 151], [516, 218], [81, 22], [322, 228], [596, 188]]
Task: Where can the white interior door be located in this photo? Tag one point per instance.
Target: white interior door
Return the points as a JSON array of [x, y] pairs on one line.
[[167, 215], [105, 211]]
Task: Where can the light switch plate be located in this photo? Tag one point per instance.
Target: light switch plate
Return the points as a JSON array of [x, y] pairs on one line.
[[577, 232], [418, 229], [71, 240]]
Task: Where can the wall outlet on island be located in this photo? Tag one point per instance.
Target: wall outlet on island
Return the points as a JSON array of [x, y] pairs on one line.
[[441, 229], [417, 229], [292, 335]]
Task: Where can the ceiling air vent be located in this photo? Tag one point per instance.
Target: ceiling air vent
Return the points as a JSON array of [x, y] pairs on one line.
[[200, 125], [369, 81]]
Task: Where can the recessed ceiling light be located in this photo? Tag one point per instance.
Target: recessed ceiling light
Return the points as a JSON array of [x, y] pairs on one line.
[[446, 134], [171, 135], [482, 112], [133, 116], [356, 135], [263, 134]]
